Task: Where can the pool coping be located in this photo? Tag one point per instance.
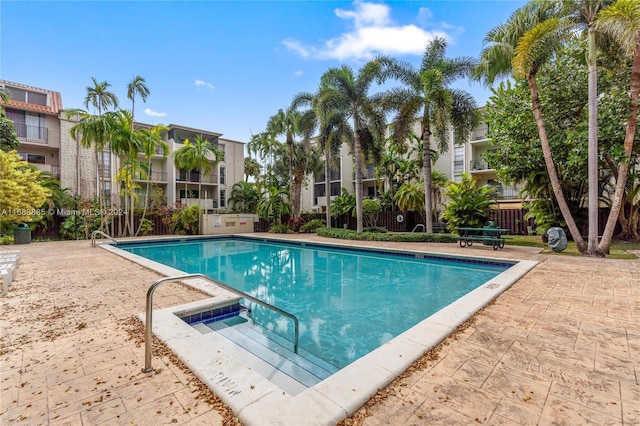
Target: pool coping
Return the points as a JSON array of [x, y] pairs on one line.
[[255, 400]]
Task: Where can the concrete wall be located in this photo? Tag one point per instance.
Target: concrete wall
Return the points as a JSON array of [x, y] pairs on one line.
[[226, 223]]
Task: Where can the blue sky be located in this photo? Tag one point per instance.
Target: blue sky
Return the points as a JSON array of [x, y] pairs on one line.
[[224, 66]]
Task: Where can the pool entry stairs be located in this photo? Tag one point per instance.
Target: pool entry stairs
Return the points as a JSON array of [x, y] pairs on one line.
[[303, 367]]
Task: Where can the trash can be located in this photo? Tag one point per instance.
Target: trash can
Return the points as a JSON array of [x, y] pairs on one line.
[[22, 234], [488, 233]]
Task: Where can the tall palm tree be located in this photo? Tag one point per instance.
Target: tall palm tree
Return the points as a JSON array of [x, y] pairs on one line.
[[137, 86], [347, 94], [200, 155], [151, 141], [286, 123], [622, 21], [520, 47], [101, 98], [332, 131], [429, 99]]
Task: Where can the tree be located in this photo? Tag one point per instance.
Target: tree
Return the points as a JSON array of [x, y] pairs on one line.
[[137, 86], [199, 155], [251, 168], [468, 204], [522, 46], [21, 191], [286, 123], [244, 197], [333, 130], [427, 98], [410, 197], [273, 205], [346, 94], [100, 97], [622, 21], [8, 136], [151, 141]]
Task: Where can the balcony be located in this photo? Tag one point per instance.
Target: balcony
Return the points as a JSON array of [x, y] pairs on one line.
[[52, 169], [196, 177], [205, 204], [508, 193], [335, 175], [36, 134], [480, 134], [368, 173], [155, 177], [479, 166]]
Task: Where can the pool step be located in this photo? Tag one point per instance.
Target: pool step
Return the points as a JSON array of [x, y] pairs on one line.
[[277, 352]]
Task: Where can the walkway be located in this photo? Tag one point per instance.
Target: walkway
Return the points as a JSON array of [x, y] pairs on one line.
[[561, 346]]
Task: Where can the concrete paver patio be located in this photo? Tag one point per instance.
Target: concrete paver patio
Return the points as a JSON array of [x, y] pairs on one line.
[[561, 346]]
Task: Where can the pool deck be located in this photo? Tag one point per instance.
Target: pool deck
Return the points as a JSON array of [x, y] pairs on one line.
[[561, 346]]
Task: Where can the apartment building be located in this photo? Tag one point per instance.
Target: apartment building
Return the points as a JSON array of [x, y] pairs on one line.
[[459, 159], [45, 141]]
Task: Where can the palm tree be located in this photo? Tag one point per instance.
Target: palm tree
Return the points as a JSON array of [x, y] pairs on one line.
[[137, 86], [346, 94], [151, 142], [200, 155], [251, 168], [286, 123], [244, 197], [272, 205], [622, 21], [521, 46], [101, 98], [429, 99]]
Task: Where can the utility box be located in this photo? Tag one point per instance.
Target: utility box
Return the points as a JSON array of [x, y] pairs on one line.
[[22, 234]]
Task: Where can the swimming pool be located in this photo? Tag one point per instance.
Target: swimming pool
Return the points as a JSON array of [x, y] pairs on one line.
[[348, 302], [253, 394]]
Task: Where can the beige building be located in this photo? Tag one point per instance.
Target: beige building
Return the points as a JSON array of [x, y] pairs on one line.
[[45, 141], [459, 159]]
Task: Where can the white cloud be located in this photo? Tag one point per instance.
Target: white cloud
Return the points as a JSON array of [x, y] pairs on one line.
[[297, 73], [152, 113], [202, 83], [374, 32]]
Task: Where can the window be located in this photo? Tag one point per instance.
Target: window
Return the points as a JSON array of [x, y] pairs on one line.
[[33, 158], [29, 125], [223, 196], [458, 159], [104, 164], [27, 96], [223, 173], [106, 190]]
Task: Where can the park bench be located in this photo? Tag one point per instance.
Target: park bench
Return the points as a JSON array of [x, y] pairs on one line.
[[487, 235]]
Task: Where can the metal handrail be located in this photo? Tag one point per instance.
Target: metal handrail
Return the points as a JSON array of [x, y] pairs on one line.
[[420, 225], [149, 313], [93, 237]]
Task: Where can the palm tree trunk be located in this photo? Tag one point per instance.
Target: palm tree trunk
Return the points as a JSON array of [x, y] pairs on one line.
[[146, 199], [327, 186], [607, 235], [291, 177], [358, 165], [551, 168], [426, 164], [592, 246]]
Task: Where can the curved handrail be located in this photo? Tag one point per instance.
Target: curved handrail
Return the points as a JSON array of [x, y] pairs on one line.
[[149, 313], [93, 237], [418, 226]]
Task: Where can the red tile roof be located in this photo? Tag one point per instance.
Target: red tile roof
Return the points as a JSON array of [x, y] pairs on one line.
[[54, 99]]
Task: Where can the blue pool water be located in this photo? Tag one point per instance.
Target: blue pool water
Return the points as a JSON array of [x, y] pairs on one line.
[[348, 302]]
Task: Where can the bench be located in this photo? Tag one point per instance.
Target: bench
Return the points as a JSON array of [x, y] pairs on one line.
[[7, 272], [486, 235]]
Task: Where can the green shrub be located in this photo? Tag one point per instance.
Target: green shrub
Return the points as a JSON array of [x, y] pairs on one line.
[[6, 240], [312, 226], [146, 227], [376, 229], [346, 234], [186, 221], [279, 229]]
